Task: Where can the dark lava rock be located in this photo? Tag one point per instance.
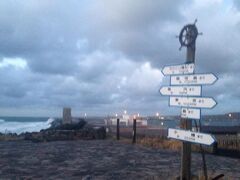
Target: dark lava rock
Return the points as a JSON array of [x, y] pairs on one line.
[[80, 130], [60, 132], [76, 126], [56, 123]]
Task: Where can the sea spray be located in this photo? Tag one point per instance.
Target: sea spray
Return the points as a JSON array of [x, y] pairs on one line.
[[20, 126]]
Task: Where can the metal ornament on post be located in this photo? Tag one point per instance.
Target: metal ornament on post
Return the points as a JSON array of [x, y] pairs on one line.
[[187, 38]]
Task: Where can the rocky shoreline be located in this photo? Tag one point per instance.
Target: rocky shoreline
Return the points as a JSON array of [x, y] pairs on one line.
[[101, 159], [60, 132]]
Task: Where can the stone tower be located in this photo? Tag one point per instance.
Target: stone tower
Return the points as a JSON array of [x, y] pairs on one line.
[[67, 118]]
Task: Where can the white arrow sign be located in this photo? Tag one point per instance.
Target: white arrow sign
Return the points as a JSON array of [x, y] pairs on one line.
[[195, 79], [178, 69], [190, 113], [181, 90], [196, 102], [194, 137]]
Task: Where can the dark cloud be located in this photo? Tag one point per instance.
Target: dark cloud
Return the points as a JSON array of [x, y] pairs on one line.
[[105, 56]]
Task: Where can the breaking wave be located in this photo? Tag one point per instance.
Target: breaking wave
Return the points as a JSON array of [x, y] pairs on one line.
[[21, 127]]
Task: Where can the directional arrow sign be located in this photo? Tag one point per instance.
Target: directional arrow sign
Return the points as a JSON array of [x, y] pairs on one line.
[[195, 79], [194, 137], [178, 69], [190, 113], [181, 90], [196, 102]]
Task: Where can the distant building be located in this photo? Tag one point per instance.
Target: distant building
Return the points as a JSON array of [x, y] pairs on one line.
[[233, 115], [126, 120], [227, 116]]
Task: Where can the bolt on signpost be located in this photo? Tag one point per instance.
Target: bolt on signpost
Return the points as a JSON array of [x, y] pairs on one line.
[[185, 91]]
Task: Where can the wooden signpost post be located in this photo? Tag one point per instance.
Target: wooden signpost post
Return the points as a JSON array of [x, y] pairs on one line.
[[185, 92]]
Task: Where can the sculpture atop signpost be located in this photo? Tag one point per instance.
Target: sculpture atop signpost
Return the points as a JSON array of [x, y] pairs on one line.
[[188, 35], [187, 38]]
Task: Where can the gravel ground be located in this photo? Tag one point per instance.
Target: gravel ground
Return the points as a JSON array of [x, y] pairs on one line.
[[100, 159]]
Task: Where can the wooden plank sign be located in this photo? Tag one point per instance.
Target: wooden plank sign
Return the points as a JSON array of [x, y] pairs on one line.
[[190, 136], [190, 113], [195, 102], [194, 79], [178, 69], [181, 90]]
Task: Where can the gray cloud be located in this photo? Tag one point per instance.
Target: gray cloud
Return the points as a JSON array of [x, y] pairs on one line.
[[105, 56]]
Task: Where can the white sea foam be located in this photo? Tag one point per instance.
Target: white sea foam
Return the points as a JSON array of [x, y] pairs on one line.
[[20, 127], [50, 120]]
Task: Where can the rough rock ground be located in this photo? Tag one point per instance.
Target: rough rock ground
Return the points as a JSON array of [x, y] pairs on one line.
[[100, 159]]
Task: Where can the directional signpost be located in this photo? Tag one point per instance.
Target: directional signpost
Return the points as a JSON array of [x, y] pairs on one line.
[[181, 90], [190, 136], [195, 102], [195, 79], [178, 69], [190, 113], [185, 91]]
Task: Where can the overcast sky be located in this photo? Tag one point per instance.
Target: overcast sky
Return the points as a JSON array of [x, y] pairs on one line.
[[101, 57]]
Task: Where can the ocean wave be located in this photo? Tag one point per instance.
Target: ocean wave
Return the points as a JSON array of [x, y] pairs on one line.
[[21, 127], [50, 120]]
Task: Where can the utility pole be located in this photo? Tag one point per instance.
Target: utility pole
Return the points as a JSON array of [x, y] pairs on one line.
[[118, 136], [187, 38], [134, 131]]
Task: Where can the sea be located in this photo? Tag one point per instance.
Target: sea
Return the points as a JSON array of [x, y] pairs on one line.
[[35, 124], [24, 124]]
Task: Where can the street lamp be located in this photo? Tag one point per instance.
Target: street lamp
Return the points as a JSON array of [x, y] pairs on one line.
[[230, 115]]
